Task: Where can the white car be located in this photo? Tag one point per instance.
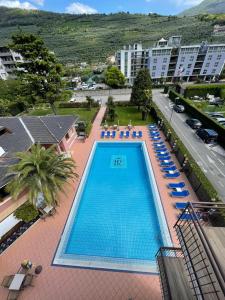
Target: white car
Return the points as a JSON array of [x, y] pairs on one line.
[[72, 100], [219, 120]]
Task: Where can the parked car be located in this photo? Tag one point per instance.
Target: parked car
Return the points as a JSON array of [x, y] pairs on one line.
[[209, 136], [179, 108], [220, 119], [194, 123], [215, 114]]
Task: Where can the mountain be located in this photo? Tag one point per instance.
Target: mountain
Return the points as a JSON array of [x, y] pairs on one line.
[[93, 38], [206, 7]]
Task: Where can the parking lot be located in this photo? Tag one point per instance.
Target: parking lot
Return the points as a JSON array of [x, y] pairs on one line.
[[211, 159]]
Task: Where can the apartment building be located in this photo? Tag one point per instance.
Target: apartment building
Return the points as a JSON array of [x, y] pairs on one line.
[[171, 61], [8, 60], [219, 30]]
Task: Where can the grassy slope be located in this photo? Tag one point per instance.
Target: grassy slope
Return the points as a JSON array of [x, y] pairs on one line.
[[207, 6], [95, 37]]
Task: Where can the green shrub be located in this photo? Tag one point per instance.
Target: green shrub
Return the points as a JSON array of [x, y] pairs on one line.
[[201, 116], [77, 105], [203, 89], [26, 212]]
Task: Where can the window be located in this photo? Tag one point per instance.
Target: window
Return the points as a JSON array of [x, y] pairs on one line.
[[164, 67], [154, 68], [182, 59], [209, 57], [162, 74], [155, 60], [216, 64], [219, 56], [192, 58], [153, 74], [213, 71], [165, 60], [189, 66], [187, 72], [67, 136], [205, 72], [207, 65]]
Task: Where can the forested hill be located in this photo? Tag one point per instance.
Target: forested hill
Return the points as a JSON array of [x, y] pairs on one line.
[[93, 38], [206, 7]]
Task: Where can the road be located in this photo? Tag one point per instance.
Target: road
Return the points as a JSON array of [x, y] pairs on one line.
[[210, 159]]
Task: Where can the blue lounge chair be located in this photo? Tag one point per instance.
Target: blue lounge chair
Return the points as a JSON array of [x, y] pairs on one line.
[[176, 185], [165, 164], [134, 134], [159, 146], [127, 134], [181, 205], [121, 134], [166, 169], [113, 135], [172, 175], [155, 138], [140, 135], [159, 150], [102, 134], [163, 153], [154, 134], [181, 194], [152, 126], [162, 158], [190, 217], [158, 143], [153, 131], [107, 134]]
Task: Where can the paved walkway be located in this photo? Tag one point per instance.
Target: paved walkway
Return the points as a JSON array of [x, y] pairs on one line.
[[39, 244]]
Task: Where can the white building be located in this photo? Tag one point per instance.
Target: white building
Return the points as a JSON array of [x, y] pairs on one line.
[[171, 61], [8, 60]]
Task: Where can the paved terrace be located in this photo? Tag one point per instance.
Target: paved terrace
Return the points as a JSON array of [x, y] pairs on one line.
[[39, 244]]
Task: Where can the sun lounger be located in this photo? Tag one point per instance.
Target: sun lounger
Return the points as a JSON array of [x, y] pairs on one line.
[[159, 150], [162, 153], [140, 135], [176, 185], [154, 134], [102, 134], [189, 217], [159, 146], [155, 138], [107, 134], [165, 164], [166, 169], [181, 205], [158, 143], [162, 158], [181, 194], [134, 134], [127, 135], [121, 134], [113, 135], [152, 126], [173, 175]]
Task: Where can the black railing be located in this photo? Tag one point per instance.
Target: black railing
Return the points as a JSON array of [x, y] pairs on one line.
[[205, 272]]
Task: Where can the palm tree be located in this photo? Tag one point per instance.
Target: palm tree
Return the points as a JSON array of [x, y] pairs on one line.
[[41, 171]]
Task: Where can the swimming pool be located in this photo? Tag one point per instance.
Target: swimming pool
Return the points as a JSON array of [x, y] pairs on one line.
[[117, 220]]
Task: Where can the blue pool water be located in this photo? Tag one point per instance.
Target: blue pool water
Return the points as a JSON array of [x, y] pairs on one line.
[[115, 215]]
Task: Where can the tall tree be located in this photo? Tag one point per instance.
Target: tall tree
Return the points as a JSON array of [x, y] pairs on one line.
[[111, 111], [41, 171], [141, 94], [114, 77], [40, 70]]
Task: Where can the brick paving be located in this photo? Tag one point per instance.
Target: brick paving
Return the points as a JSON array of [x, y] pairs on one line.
[[39, 244]]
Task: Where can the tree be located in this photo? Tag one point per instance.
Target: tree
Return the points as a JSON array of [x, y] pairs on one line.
[[26, 212], [142, 89], [114, 77], [90, 102], [111, 111], [40, 70], [40, 171]]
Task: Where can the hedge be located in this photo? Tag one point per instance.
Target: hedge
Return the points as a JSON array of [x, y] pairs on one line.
[[201, 116], [194, 166], [203, 89], [76, 105]]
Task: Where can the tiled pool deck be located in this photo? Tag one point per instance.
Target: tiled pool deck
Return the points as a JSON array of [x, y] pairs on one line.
[[39, 244]]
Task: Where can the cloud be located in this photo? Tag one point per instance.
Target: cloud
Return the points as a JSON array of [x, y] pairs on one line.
[[187, 2], [17, 4], [78, 8], [38, 2]]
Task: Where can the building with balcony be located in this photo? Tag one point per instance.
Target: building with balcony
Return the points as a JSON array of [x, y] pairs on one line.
[[195, 269], [170, 61], [8, 60]]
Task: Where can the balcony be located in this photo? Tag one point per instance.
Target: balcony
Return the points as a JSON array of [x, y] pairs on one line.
[[197, 268]]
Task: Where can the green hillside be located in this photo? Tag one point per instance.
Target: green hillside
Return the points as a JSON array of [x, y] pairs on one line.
[[205, 7], [93, 38]]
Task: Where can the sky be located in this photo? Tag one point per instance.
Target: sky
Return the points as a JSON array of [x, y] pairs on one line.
[[163, 7]]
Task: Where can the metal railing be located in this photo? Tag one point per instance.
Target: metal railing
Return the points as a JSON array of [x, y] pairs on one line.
[[205, 272]]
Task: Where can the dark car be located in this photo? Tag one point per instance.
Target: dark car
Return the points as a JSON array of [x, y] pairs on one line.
[[209, 136], [179, 108], [194, 123]]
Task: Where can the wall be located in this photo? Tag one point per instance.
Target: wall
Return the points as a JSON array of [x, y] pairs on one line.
[[66, 143]]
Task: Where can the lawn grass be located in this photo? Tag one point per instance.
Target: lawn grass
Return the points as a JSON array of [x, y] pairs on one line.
[[125, 114]]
